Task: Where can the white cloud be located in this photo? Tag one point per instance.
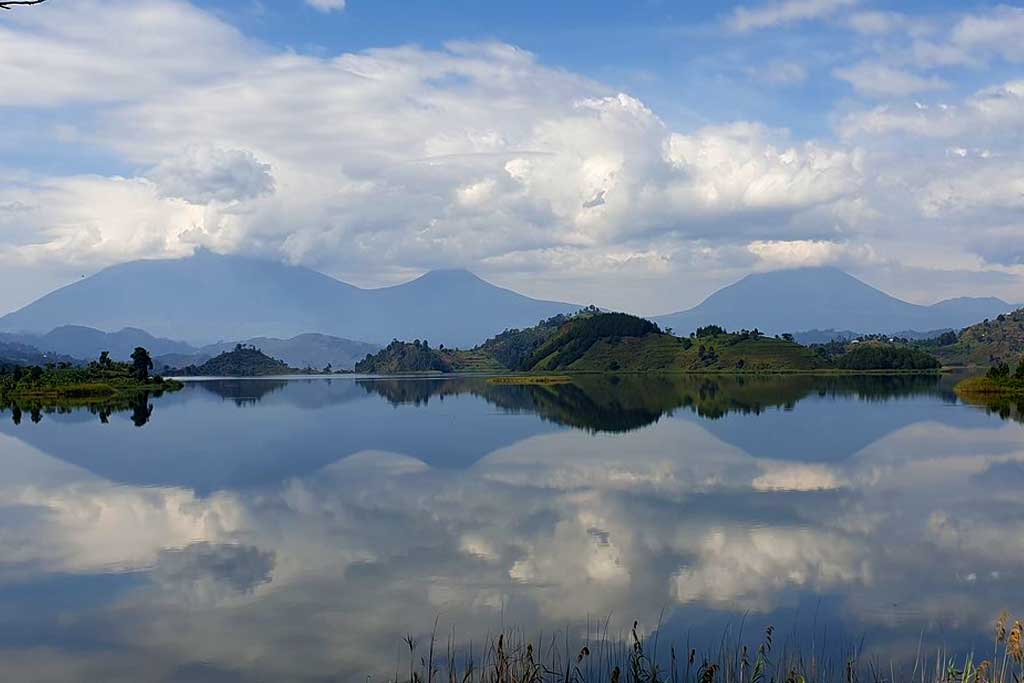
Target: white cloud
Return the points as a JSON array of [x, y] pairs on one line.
[[799, 253], [997, 32], [881, 80], [201, 175], [327, 5], [784, 12]]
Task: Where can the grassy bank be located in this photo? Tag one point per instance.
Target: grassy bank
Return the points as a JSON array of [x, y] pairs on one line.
[[97, 382], [989, 387]]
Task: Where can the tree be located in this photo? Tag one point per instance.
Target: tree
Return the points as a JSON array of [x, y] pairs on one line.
[[104, 359], [786, 336], [141, 362], [1019, 375]]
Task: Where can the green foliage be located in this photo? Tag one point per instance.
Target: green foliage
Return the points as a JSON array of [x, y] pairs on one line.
[[399, 357], [878, 357], [579, 335], [59, 382], [999, 371], [709, 331], [1019, 374], [514, 348], [141, 362]]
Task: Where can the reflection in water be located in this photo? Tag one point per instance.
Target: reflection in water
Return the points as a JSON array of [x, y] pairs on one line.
[[138, 404], [299, 535]]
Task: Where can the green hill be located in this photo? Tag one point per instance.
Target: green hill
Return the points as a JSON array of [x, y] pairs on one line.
[[401, 357], [243, 361], [591, 341], [991, 342]]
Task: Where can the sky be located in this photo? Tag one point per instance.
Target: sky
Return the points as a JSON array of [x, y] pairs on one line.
[[634, 155]]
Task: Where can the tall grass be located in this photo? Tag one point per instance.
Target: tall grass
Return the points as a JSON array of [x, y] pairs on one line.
[[511, 657]]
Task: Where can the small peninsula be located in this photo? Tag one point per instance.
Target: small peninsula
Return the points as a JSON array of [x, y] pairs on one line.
[[100, 380]]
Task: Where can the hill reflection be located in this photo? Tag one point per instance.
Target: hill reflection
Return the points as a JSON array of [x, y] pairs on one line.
[[621, 403]]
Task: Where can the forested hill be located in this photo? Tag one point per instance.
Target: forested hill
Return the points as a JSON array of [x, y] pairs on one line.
[[243, 361], [591, 341], [991, 342]]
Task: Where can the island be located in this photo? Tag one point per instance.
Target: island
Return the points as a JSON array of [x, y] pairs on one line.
[[593, 341], [243, 361]]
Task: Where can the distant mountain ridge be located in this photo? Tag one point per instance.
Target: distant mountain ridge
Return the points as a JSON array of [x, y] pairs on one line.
[[824, 298], [208, 296]]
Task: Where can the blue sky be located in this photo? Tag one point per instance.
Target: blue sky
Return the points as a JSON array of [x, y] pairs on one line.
[[606, 152]]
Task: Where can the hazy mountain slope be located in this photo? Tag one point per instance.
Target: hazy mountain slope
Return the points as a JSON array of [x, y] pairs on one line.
[[87, 343], [14, 354], [208, 297], [823, 298]]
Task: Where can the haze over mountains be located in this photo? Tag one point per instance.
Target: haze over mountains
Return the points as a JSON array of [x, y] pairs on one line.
[[207, 298], [825, 298]]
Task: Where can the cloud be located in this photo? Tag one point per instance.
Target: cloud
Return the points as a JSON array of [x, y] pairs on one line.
[[997, 32], [801, 253], [201, 175], [786, 12], [881, 80], [327, 5], [995, 108]]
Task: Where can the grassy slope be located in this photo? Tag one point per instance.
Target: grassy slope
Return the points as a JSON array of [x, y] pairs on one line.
[[665, 353], [987, 343]]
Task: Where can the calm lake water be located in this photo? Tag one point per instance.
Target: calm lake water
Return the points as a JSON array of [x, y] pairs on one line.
[[296, 530]]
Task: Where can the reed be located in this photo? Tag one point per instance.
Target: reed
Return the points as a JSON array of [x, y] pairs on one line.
[[512, 657]]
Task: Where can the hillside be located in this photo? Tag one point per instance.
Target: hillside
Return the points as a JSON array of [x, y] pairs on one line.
[[242, 361], [401, 357], [87, 342], [208, 297], [616, 342], [22, 355], [824, 298], [990, 342]]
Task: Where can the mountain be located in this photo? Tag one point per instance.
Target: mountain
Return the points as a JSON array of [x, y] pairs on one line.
[[209, 296], [87, 342], [824, 298]]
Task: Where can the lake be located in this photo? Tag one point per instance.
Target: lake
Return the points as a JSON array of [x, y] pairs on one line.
[[298, 529]]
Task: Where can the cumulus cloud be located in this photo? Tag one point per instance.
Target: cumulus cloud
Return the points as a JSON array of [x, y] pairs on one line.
[[745, 18], [202, 175], [394, 160]]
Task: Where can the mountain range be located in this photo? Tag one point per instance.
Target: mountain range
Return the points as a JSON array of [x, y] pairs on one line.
[[71, 342], [209, 297], [824, 298]]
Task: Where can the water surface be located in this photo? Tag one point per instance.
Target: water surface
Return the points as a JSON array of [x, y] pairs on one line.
[[296, 530]]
